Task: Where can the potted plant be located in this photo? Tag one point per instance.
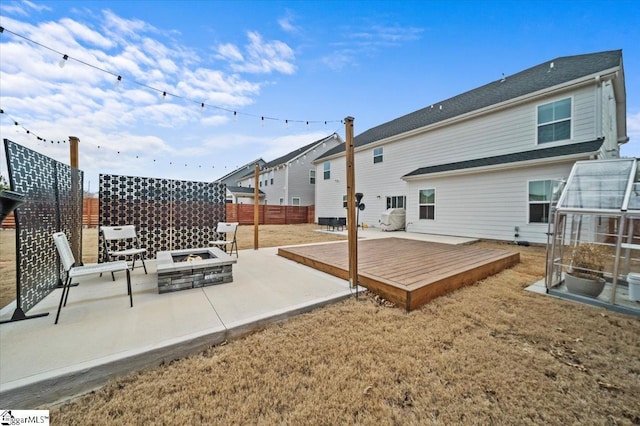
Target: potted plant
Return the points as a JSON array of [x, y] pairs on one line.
[[585, 274]]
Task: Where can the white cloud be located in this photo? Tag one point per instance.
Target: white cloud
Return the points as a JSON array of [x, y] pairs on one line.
[[385, 35], [83, 101], [369, 41], [260, 56], [280, 146], [339, 59], [229, 52], [286, 23], [21, 8]]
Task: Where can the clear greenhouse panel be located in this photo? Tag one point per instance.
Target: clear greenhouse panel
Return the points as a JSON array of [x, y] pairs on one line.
[[598, 185]]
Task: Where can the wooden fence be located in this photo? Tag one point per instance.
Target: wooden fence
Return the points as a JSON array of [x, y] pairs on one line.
[[270, 214], [241, 213]]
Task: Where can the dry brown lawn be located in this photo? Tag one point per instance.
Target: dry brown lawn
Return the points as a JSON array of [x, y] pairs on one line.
[[487, 354]]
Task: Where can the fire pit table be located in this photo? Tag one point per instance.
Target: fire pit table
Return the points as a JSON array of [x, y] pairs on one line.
[[192, 268]]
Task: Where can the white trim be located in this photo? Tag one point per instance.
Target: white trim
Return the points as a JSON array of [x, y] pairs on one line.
[[503, 166], [325, 170], [529, 202], [381, 155], [571, 119], [435, 194], [296, 198]]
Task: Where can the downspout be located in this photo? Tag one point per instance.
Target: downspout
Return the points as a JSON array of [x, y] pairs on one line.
[[599, 116], [286, 184]]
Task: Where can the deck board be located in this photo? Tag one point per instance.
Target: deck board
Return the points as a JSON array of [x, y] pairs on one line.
[[409, 273]]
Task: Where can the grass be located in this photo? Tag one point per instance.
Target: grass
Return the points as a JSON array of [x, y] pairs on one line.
[[486, 354]]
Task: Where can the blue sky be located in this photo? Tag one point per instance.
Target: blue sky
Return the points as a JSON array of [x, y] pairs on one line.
[[299, 61]]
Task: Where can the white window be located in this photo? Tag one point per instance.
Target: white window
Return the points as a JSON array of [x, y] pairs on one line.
[[539, 201], [377, 155], [295, 201], [344, 201], [271, 177], [312, 177], [397, 202], [327, 170], [428, 204], [281, 201], [554, 121]]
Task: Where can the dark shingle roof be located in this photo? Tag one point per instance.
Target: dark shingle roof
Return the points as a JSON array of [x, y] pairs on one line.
[[295, 153], [243, 190], [531, 80], [260, 161], [536, 154]]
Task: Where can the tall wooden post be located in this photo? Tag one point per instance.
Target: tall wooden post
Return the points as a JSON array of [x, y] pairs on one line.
[[352, 229], [256, 205], [73, 152]]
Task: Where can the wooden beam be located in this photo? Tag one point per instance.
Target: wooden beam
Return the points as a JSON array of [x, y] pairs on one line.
[[352, 226], [256, 205], [73, 152]]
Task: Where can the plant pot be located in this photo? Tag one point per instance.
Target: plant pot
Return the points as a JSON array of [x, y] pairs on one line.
[[584, 286]]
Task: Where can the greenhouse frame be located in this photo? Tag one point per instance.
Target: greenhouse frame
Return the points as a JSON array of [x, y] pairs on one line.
[[594, 232]]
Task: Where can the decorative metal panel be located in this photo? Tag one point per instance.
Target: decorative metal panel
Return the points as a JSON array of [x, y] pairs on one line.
[[168, 214], [53, 193]]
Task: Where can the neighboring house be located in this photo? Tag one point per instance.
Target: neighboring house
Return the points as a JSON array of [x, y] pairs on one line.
[[290, 180], [235, 195], [482, 164], [242, 195]]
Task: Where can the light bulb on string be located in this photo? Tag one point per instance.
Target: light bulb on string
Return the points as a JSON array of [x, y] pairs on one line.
[[262, 122], [202, 107], [164, 95], [118, 82], [63, 61], [235, 116]]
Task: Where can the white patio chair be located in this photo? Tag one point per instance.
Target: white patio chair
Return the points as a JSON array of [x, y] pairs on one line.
[[226, 229], [67, 259], [127, 233]]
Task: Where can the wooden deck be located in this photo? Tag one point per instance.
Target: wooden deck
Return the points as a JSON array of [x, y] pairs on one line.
[[408, 273]]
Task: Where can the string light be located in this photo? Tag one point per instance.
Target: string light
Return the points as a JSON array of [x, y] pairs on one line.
[[63, 61], [66, 57]]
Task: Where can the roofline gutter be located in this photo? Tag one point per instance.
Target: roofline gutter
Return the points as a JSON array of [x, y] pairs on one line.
[[503, 166], [610, 73]]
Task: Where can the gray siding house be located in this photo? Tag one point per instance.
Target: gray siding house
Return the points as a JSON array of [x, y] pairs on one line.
[[485, 163], [290, 180]]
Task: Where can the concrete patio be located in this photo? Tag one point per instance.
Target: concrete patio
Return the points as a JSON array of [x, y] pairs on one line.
[[99, 337]]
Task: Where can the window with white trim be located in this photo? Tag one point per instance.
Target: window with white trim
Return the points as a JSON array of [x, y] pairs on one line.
[[295, 201], [312, 177], [427, 204], [377, 155], [327, 170], [281, 201], [554, 121], [539, 201], [397, 202]]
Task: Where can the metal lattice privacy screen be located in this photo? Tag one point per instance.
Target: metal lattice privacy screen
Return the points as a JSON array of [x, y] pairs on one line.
[[53, 193], [168, 214]]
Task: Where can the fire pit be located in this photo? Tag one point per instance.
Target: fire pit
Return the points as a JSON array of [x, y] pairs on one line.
[[192, 268]]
